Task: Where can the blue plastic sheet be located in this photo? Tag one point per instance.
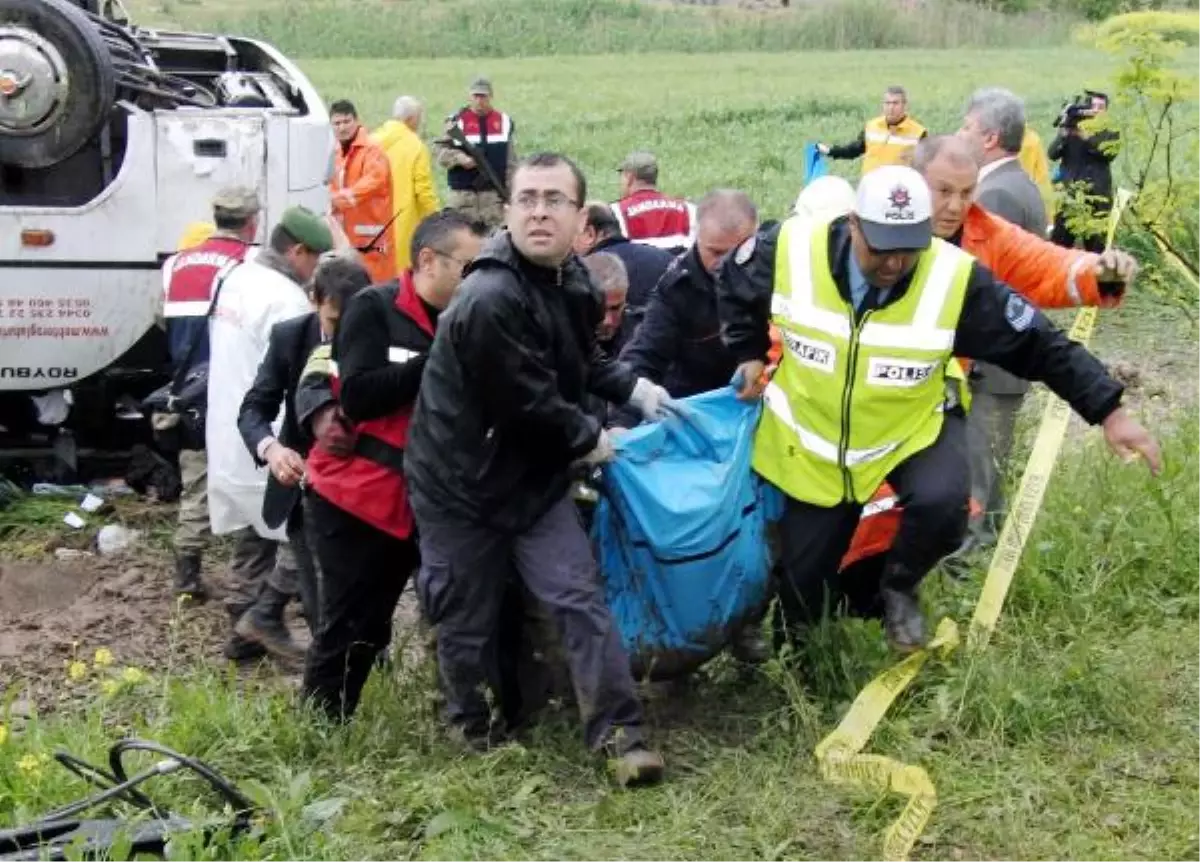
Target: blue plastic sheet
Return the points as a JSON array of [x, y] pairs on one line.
[[680, 533], [815, 164]]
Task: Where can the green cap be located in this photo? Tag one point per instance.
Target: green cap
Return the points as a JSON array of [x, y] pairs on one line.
[[481, 87], [237, 201], [308, 228]]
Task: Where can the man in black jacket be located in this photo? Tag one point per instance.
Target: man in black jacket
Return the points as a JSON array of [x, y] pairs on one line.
[[498, 426], [679, 341], [1086, 162], [291, 342], [644, 264], [884, 286]]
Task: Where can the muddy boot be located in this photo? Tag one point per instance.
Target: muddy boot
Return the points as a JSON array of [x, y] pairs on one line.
[[903, 622], [240, 649], [638, 766], [263, 624], [749, 646], [187, 578]]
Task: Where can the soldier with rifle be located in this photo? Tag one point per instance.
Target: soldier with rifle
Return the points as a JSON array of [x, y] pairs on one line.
[[478, 154]]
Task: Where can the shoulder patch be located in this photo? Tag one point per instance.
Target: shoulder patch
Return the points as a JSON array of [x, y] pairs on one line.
[[1018, 312], [745, 251]]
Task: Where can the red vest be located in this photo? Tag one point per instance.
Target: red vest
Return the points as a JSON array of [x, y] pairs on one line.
[[372, 491], [648, 216], [492, 135], [191, 280]]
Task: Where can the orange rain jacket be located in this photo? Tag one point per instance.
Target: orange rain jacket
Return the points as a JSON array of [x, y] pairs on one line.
[[1047, 275], [362, 170]]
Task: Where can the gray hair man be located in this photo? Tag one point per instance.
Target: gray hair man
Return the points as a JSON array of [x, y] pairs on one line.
[[414, 197]]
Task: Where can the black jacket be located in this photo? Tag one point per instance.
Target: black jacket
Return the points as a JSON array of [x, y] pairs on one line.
[[997, 325], [499, 418], [274, 385], [1084, 159], [645, 265], [678, 344]]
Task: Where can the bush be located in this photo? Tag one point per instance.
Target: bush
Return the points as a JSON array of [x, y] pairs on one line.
[[1182, 27]]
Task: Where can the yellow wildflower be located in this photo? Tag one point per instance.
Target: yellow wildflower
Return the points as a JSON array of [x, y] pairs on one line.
[[3, 734], [76, 671], [109, 687], [133, 675], [30, 765], [103, 657]]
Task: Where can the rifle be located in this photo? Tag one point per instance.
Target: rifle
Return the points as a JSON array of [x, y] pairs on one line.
[[457, 140]]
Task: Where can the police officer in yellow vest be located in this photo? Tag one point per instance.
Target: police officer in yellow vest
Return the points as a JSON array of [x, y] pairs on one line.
[[886, 140], [872, 308]]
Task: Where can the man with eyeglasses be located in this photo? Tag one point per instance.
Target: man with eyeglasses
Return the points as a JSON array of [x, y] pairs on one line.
[[872, 308], [356, 398], [500, 424]]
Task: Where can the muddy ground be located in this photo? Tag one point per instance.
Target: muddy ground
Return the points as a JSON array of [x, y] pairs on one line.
[[52, 609]]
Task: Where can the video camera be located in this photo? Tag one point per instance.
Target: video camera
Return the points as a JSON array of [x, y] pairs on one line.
[[1077, 109]]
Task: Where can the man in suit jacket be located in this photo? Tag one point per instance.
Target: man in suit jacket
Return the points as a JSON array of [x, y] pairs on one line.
[[994, 128], [291, 343]]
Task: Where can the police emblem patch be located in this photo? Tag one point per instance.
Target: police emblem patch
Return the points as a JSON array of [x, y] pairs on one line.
[[744, 251], [1018, 312]]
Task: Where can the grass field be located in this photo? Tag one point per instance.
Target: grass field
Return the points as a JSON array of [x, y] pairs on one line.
[[1073, 736]]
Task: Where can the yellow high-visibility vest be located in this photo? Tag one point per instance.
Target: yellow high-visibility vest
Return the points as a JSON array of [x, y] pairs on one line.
[[852, 400], [889, 145]]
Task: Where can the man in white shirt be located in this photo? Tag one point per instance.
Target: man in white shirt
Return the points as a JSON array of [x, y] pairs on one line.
[[256, 296]]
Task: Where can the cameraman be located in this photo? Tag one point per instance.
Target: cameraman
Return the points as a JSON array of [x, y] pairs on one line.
[[1087, 159]]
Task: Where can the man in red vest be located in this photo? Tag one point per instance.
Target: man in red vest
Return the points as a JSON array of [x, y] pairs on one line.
[[358, 397], [646, 214], [492, 133], [189, 279]]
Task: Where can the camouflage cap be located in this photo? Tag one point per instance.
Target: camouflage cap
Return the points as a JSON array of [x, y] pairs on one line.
[[639, 161], [307, 228], [237, 201], [481, 87]]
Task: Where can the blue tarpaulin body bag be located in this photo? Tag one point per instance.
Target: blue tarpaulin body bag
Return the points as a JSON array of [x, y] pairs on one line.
[[680, 533]]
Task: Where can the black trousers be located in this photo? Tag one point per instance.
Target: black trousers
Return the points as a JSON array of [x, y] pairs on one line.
[[465, 589], [1062, 235], [934, 488], [363, 572]]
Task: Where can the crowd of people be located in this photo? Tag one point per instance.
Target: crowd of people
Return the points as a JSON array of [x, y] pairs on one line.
[[399, 391]]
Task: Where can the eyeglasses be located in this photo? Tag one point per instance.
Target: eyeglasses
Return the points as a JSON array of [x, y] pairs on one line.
[[462, 264], [554, 201]]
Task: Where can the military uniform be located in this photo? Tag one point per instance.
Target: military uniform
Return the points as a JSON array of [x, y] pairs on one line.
[[492, 134]]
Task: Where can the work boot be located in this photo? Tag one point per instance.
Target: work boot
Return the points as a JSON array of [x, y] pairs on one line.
[[264, 625], [187, 578], [749, 646], [638, 766], [239, 649], [903, 622]]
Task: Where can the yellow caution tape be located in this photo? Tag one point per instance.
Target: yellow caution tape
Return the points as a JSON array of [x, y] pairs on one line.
[[839, 756]]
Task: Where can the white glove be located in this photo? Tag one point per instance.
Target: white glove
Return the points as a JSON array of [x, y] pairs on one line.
[[602, 453], [654, 401]]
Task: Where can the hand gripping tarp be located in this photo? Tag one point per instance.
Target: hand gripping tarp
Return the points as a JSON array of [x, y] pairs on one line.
[[680, 533]]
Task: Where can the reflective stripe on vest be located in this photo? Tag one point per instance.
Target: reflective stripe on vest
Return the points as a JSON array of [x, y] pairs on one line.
[[853, 399], [889, 145]]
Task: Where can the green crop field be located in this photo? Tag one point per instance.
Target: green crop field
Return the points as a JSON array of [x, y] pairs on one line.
[[1073, 736]]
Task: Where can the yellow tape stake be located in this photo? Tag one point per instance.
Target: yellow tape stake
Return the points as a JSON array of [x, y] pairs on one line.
[[839, 754]]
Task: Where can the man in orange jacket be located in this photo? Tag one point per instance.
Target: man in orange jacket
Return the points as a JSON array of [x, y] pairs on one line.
[[361, 193], [1048, 275]]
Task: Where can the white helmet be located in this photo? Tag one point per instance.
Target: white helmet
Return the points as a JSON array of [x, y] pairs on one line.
[[825, 197]]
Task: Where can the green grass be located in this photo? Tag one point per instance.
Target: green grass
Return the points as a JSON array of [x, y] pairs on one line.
[[524, 28], [1073, 736], [736, 121]]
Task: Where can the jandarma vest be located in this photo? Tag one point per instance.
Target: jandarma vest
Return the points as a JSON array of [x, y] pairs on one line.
[[191, 281], [851, 401], [492, 135], [889, 145]]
